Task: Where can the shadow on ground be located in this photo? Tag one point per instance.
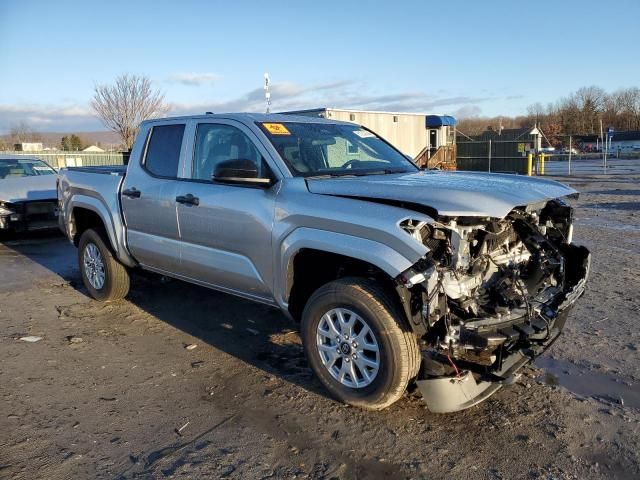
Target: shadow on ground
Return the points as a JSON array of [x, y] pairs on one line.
[[257, 334], [614, 206], [615, 191]]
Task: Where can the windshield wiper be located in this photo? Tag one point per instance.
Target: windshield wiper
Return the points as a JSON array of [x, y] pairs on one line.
[[385, 171], [358, 173]]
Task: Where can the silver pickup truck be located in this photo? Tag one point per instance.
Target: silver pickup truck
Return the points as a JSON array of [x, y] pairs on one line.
[[450, 280]]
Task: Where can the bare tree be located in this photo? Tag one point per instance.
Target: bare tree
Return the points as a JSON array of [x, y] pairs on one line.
[[123, 105], [628, 105], [23, 132], [579, 113]]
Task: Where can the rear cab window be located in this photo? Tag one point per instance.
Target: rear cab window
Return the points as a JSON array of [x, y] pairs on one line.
[[162, 155]]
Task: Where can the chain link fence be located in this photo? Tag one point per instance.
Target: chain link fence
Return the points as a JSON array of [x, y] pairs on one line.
[[562, 164], [527, 155]]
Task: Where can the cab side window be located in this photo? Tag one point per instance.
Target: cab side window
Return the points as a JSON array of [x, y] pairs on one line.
[[163, 150], [216, 143]]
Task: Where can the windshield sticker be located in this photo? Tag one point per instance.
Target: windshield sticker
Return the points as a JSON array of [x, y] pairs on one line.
[[363, 133], [276, 129], [42, 169]]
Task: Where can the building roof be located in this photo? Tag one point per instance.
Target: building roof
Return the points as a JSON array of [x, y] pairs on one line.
[[93, 148], [523, 134], [348, 110], [440, 121], [626, 136]]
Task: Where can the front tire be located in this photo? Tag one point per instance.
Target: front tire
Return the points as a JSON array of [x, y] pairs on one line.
[[104, 277], [358, 343]]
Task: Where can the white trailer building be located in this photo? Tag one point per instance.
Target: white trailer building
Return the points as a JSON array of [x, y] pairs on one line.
[[412, 133]]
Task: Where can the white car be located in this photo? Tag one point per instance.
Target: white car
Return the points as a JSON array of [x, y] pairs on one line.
[[572, 151], [28, 198]]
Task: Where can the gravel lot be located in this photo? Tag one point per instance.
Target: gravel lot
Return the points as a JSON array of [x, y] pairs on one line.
[[112, 391]]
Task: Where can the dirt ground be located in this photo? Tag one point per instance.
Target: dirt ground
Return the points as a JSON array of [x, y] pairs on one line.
[[111, 391]]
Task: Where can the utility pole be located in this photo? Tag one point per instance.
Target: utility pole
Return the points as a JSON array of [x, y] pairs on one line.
[[267, 92], [570, 150], [604, 150]]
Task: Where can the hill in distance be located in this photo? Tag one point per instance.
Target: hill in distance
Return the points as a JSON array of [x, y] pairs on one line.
[[105, 139]]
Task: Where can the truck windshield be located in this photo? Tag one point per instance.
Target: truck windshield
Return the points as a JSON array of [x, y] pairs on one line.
[[318, 149], [11, 168]]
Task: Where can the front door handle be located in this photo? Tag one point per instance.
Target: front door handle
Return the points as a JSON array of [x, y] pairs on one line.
[[131, 192], [188, 199]]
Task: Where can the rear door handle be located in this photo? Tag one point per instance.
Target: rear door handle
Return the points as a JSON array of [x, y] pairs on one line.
[[188, 199], [131, 192]]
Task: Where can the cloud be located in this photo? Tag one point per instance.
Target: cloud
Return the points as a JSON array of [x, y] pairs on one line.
[[334, 85], [468, 111], [285, 96], [46, 117], [194, 79], [282, 90]]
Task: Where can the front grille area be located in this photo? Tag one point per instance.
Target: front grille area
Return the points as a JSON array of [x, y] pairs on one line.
[[38, 215]]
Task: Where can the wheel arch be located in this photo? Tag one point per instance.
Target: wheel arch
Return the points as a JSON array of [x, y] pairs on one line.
[[88, 212], [311, 258]]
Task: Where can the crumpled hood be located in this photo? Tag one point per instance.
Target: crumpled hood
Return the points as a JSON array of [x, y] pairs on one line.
[[468, 194], [21, 189]]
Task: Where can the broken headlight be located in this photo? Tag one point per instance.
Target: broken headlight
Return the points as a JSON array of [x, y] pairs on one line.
[[6, 209]]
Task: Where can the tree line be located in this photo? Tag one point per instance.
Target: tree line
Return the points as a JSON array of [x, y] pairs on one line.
[[22, 132], [579, 113], [121, 107]]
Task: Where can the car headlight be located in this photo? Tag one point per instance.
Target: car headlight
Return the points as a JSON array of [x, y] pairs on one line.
[[5, 210], [414, 228]]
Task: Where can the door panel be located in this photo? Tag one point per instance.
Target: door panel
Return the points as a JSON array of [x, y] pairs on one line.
[[152, 227], [148, 199], [226, 237]]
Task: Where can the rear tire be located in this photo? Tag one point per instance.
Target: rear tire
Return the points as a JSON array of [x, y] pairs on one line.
[[104, 277], [358, 343]]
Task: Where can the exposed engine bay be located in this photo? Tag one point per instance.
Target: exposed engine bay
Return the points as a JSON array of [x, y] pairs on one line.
[[492, 287]]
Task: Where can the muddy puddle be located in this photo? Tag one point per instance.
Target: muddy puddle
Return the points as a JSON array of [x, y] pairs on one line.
[[587, 383]]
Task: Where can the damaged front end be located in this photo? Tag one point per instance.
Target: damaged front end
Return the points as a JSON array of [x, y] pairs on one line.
[[490, 295], [25, 216]]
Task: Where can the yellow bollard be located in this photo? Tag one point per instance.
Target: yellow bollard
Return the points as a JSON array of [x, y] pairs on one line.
[[542, 164], [529, 164]]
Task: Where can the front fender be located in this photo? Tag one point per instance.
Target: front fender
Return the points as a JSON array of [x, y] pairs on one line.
[[382, 256]]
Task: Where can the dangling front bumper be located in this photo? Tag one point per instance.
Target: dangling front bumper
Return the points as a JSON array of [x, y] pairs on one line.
[[476, 383]]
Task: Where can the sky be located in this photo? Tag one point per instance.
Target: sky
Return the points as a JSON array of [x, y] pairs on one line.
[[465, 58]]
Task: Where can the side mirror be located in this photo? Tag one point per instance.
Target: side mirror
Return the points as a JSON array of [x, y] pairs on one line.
[[239, 172]]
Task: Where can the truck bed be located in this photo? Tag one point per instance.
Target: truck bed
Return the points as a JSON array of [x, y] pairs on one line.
[[96, 189]]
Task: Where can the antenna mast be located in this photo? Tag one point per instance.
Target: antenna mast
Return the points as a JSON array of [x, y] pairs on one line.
[[267, 92]]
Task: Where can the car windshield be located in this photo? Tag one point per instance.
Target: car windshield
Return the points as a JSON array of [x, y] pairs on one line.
[[12, 168], [318, 149]]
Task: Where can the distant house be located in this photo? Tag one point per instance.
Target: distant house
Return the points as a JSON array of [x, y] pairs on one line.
[[624, 141], [93, 148], [503, 150], [28, 147], [532, 136]]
